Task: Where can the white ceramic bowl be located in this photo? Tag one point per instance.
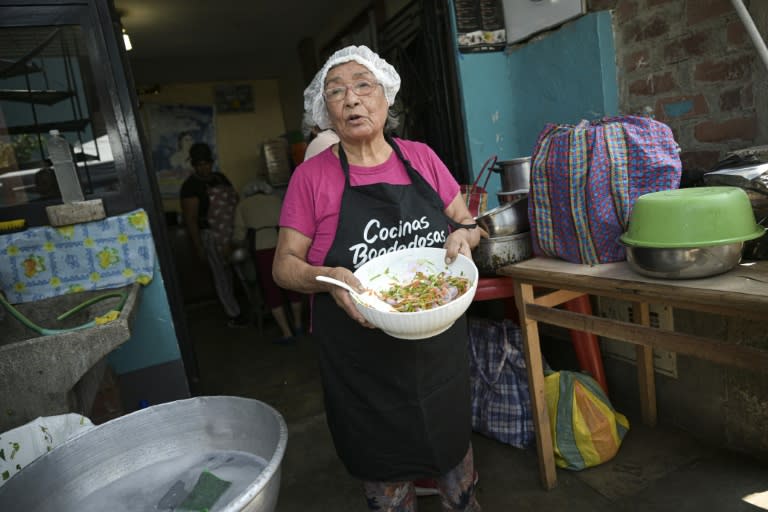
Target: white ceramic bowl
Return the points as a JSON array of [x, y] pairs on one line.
[[383, 272]]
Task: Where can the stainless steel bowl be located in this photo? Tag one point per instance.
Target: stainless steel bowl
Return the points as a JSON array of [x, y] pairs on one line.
[[684, 263], [493, 253], [506, 219], [510, 197]]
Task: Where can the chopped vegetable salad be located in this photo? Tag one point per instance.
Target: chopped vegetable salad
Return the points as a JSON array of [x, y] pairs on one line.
[[425, 291]]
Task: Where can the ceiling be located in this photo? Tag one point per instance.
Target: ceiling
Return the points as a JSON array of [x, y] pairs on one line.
[[203, 39]]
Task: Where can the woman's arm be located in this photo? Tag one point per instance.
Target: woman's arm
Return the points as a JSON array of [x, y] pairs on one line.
[[240, 228], [461, 241], [290, 270], [189, 208]]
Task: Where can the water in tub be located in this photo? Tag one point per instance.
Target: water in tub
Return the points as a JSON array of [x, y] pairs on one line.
[[165, 485]]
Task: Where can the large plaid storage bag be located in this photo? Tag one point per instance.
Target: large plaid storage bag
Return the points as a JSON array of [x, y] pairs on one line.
[[585, 179], [501, 402]]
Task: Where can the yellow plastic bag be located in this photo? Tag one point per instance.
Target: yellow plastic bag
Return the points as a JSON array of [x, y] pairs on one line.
[[586, 430]]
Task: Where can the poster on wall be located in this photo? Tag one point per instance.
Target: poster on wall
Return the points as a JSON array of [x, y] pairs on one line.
[[480, 25], [233, 98], [172, 131]]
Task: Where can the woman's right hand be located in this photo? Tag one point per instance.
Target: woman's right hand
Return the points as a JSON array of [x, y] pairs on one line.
[[291, 271], [343, 298]]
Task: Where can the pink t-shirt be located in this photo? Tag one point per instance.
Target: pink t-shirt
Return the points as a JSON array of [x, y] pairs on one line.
[[313, 199]]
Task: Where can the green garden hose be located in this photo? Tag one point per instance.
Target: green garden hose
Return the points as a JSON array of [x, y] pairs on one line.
[[48, 332]]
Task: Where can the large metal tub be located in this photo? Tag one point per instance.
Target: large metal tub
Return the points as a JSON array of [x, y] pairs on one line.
[[132, 462]]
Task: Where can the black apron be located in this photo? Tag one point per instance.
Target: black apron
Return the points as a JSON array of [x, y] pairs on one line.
[[397, 409]]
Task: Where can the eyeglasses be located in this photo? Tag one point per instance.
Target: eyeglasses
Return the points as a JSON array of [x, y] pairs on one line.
[[360, 88]]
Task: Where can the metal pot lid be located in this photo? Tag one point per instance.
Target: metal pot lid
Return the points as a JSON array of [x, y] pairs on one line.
[[519, 160], [495, 211], [505, 238]]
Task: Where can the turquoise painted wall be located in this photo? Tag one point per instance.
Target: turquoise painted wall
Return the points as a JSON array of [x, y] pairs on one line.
[[565, 76], [153, 337]]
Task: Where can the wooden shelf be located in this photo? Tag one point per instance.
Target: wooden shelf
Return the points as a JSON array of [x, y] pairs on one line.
[[37, 97], [9, 68], [74, 125], [85, 157], [23, 65]]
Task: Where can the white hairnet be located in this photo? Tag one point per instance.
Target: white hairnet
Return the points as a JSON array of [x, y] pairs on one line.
[[385, 74], [307, 124], [257, 186]]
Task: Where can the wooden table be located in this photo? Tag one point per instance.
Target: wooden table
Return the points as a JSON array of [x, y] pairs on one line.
[[585, 345], [741, 292]]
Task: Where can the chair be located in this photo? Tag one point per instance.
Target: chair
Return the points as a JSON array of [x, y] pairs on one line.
[[244, 264]]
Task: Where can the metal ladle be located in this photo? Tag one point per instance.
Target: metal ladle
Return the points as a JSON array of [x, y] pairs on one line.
[[367, 298]]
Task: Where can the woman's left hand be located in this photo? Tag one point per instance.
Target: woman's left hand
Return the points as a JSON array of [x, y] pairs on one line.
[[461, 241], [458, 242]]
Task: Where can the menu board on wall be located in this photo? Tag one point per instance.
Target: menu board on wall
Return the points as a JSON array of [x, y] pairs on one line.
[[480, 25]]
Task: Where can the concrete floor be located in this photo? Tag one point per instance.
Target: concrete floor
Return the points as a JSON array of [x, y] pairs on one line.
[[659, 469]]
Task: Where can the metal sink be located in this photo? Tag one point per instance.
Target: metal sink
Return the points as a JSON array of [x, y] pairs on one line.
[[45, 375]]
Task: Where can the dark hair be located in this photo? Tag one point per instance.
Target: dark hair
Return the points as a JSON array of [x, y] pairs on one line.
[[46, 184], [181, 137], [200, 152]]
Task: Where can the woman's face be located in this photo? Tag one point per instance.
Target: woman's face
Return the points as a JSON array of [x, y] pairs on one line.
[[203, 168], [186, 141], [355, 117]]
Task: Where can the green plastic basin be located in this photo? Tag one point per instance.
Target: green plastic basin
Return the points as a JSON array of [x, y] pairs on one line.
[[692, 217]]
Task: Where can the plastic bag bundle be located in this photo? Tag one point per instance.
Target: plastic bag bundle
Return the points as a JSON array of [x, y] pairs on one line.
[[20, 446], [476, 196], [586, 430]]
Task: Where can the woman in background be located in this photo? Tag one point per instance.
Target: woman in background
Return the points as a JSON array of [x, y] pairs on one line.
[[319, 139], [259, 211], [208, 202]]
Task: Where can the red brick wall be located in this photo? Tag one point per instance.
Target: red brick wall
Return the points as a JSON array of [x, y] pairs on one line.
[[692, 63]]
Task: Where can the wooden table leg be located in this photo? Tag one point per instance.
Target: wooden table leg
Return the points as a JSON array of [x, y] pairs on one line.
[[533, 361], [645, 377]]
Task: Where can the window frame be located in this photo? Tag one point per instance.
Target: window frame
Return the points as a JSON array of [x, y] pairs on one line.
[[104, 85]]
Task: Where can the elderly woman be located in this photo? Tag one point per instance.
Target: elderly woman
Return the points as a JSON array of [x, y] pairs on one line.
[[397, 410]]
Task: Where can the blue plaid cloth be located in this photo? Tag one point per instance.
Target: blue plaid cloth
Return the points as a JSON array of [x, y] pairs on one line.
[[585, 179], [44, 261], [501, 402]]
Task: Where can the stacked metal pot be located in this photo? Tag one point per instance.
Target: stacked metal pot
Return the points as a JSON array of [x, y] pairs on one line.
[[507, 225]]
